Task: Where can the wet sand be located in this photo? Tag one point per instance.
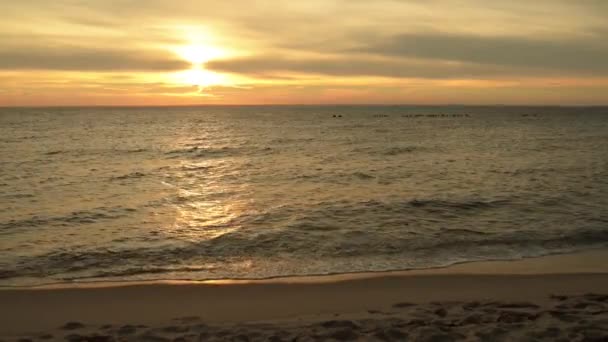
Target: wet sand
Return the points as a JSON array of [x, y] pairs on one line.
[[550, 298]]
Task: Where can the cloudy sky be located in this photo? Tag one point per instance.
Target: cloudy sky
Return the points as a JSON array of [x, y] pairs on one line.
[[159, 52]]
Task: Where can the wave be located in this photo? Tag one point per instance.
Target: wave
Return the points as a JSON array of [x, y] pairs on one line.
[[81, 152], [362, 175], [74, 218], [195, 168], [357, 175], [143, 270], [465, 205], [392, 255], [129, 176], [52, 153], [201, 152], [17, 196], [288, 141], [137, 150], [377, 234], [391, 151]]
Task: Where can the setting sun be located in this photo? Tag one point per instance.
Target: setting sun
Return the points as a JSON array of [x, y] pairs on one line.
[[199, 54]]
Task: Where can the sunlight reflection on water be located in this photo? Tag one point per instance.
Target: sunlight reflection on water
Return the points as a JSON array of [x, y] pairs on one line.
[[263, 192]]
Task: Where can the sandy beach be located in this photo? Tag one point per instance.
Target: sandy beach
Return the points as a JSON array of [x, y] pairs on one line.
[[549, 298], [321, 170]]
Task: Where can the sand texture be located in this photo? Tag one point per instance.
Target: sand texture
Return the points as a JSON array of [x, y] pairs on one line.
[[562, 318], [497, 301]]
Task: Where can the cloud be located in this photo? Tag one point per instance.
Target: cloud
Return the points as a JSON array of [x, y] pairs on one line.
[[87, 59], [587, 56], [432, 62], [411, 29], [386, 47], [352, 66]]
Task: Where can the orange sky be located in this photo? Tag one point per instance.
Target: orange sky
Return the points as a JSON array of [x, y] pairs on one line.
[[122, 52]]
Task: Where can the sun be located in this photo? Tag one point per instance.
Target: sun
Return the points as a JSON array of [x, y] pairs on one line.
[[198, 54]]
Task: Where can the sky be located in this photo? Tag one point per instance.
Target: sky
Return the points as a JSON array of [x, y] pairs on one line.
[[182, 52]]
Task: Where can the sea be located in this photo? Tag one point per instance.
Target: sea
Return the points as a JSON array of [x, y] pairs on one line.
[[251, 192]]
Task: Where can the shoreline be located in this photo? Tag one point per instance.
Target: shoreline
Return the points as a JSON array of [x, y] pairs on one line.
[[578, 262], [301, 303]]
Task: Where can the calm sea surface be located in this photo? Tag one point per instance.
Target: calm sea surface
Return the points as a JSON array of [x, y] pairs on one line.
[[89, 194]]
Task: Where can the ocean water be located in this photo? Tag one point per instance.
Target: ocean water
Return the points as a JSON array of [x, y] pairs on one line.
[[95, 194]]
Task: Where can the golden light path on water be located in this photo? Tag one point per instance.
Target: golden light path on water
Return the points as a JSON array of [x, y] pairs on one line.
[[207, 202], [200, 218], [203, 219]]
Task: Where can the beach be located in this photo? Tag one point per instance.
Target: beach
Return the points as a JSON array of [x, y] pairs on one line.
[[323, 170], [548, 298], [296, 223]]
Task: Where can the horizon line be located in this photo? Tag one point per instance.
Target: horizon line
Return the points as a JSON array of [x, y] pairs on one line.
[[308, 105]]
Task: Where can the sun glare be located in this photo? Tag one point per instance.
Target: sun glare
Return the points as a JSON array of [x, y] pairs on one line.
[[198, 54], [200, 77]]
